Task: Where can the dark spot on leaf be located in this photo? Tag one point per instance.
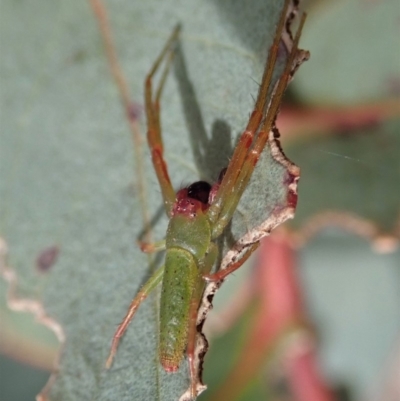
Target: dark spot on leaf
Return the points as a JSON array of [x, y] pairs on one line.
[[135, 111], [46, 258], [79, 56]]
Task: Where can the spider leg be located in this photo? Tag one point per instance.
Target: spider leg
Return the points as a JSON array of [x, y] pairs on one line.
[[153, 121], [279, 90], [226, 189], [149, 286], [147, 247], [221, 274], [232, 191]]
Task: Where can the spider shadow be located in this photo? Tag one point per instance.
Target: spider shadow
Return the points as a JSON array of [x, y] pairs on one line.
[[247, 20], [210, 153]]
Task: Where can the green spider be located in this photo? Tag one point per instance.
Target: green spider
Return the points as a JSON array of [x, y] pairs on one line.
[[199, 213]]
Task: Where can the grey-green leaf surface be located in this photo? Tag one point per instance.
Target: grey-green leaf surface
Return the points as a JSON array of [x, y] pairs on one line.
[[68, 175], [355, 52]]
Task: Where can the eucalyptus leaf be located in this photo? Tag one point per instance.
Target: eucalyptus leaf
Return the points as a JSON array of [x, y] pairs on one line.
[[355, 60]]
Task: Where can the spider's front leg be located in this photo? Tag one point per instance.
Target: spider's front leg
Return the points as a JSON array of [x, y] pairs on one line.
[[253, 140], [152, 106], [231, 187]]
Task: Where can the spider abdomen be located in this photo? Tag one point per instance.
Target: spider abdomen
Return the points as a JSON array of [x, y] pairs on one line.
[[179, 280]]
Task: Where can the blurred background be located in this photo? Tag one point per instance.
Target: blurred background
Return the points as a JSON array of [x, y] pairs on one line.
[[337, 263]]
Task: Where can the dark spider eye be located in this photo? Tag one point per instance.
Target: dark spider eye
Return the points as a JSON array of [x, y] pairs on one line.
[[199, 190]]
